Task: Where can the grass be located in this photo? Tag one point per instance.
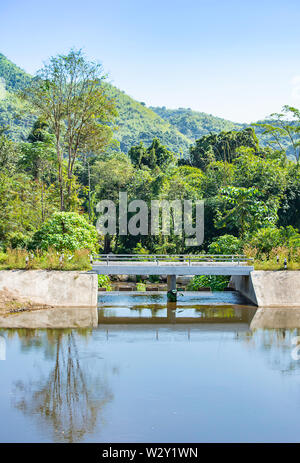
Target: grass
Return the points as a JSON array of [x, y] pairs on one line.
[[274, 259], [20, 259], [271, 265]]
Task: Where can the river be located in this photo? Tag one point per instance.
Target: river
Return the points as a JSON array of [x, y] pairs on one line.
[[208, 369]]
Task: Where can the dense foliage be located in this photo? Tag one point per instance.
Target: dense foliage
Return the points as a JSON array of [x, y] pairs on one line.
[[176, 129], [66, 231], [52, 178]]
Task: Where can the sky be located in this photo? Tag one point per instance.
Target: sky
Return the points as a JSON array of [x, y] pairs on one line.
[[237, 59]]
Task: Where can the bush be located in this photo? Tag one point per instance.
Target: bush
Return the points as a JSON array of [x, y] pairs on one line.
[[66, 231], [18, 240], [104, 282], [140, 287], [214, 282], [226, 244], [266, 239]]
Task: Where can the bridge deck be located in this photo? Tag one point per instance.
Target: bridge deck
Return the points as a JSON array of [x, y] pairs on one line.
[[236, 265]]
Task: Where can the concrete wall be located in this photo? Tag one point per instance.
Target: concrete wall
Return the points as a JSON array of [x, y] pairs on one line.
[[54, 288], [270, 288]]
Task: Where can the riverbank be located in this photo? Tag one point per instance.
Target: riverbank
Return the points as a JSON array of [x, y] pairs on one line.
[[9, 303]]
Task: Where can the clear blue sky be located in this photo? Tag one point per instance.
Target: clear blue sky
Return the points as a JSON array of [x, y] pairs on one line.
[[237, 59]]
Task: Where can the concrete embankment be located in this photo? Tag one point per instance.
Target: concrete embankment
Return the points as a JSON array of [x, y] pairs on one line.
[[53, 288], [269, 288], [59, 317]]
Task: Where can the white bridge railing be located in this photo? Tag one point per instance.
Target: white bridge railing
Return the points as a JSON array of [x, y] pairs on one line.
[[182, 259]]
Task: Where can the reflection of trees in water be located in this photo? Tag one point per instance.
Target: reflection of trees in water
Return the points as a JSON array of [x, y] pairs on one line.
[[69, 399], [276, 345]]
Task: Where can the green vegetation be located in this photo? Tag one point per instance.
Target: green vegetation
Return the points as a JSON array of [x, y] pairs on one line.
[[193, 124], [104, 282], [49, 260], [214, 282], [176, 129], [14, 77], [226, 244], [136, 123], [66, 231], [75, 140], [140, 287]]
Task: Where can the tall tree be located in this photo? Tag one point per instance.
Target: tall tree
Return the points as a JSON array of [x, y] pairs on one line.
[[284, 126], [68, 94], [220, 147], [156, 155]]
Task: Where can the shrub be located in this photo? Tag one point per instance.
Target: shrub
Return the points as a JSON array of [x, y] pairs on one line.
[[66, 231], [214, 282], [154, 278], [104, 282], [140, 287], [266, 239], [18, 240], [226, 244]]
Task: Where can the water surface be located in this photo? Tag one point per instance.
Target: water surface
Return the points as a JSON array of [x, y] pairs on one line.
[[211, 380]]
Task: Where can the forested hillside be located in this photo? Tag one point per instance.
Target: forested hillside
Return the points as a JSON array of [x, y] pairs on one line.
[[136, 123], [61, 165], [194, 124], [177, 129], [133, 124]]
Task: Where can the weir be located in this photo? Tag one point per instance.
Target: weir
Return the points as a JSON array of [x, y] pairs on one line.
[[172, 265]]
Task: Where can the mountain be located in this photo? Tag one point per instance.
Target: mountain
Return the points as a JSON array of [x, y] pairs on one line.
[[176, 128], [194, 124], [13, 76], [13, 114], [135, 122]]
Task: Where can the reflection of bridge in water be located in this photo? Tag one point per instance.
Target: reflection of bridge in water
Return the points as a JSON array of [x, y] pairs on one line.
[[171, 313]]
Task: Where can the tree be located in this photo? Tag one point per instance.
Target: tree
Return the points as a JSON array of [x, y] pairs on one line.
[[156, 155], [66, 231], [22, 210], [68, 94], [221, 147], [267, 175], [9, 154], [242, 210], [290, 204], [109, 175], [284, 126]]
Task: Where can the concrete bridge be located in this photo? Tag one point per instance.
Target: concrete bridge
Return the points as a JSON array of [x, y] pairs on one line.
[[172, 265]]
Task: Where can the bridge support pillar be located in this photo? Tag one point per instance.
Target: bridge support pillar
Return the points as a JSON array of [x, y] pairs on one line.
[[171, 280]]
